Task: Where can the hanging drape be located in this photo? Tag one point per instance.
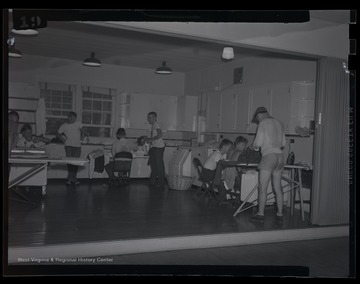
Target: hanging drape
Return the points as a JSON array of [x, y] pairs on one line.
[[330, 196]]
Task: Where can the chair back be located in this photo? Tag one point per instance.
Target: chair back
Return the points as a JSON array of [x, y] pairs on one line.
[[122, 161], [123, 154]]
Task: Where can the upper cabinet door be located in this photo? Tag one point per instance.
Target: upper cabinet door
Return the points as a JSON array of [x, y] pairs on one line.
[[167, 112], [213, 111], [281, 101], [140, 106], [228, 110], [259, 97], [242, 110]]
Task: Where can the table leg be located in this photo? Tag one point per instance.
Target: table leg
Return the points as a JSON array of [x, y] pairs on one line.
[[246, 199], [300, 195], [292, 196], [43, 190]]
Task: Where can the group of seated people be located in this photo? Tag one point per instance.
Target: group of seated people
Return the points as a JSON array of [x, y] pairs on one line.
[[225, 176]]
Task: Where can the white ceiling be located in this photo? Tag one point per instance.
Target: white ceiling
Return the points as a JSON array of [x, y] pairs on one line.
[[119, 46]]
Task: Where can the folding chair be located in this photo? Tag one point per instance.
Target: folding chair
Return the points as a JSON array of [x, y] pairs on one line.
[[206, 177], [121, 168]]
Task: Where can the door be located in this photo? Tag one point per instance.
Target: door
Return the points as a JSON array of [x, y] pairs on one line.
[[213, 111], [259, 97], [227, 112], [281, 101], [242, 110]]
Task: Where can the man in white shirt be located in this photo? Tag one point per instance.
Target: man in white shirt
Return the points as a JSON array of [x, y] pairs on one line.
[[71, 133], [156, 151], [270, 138]]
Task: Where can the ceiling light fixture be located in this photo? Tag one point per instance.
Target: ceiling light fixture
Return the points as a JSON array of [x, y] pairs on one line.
[[228, 53], [25, 32], [92, 61], [163, 69]]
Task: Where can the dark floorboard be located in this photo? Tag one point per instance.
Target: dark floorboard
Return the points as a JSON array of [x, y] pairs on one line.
[[91, 212]]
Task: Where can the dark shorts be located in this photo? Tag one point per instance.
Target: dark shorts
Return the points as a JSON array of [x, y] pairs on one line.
[[272, 162]]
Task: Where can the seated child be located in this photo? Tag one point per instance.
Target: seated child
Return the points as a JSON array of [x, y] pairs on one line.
[[230, 173], [120, 145], [212, 160], [27, 139], [141, 141]]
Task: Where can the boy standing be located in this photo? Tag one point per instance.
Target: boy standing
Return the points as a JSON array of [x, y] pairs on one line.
[[156, 152], [71, 133]]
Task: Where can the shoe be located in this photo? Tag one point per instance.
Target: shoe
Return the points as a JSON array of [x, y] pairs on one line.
[[279, 219], [68, 182], [257, 218], [76, 182]]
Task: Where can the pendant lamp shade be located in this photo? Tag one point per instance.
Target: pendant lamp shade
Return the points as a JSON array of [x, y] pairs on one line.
[[25, 32], [14, 53], [163, 69], [228, 53], [92, 61]]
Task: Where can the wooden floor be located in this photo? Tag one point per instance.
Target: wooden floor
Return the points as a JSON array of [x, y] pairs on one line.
[[93, 222], [92, 212]]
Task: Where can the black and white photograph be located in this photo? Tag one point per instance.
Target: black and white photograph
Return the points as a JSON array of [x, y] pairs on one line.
[[166, 143]]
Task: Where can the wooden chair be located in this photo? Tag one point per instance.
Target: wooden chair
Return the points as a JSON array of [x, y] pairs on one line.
[[121, 168]]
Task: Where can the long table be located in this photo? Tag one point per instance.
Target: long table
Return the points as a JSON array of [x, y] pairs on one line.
[[293, 185], [33, 171]]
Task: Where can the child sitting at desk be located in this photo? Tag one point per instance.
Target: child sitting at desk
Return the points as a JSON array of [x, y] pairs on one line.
[[27, 139], [230, 173], [120, 145], [211, 162]]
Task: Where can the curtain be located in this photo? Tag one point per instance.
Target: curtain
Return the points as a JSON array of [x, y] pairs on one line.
[[330, 196]]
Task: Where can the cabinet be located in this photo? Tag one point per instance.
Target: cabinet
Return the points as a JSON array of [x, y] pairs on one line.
[[281, 101], [164, 106], [228, 111], [213, 111], [187, 110], [259, 97], [242, 115]]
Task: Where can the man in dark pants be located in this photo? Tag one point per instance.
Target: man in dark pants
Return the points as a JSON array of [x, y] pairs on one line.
[[156, 152], [71, 133]]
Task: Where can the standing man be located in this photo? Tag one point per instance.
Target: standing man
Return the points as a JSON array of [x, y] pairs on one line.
[[270, 138], [71, 133], [156, 152]]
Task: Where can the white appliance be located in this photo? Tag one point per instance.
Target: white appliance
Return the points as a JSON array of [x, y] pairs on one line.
[[181, 162]]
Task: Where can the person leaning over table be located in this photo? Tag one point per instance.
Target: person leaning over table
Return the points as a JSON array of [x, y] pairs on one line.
[[71, 134], [270, 138], [27, 139]]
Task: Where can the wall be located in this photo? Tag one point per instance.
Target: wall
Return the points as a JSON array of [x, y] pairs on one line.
[[315, 37], [29, 69], [256, 72]]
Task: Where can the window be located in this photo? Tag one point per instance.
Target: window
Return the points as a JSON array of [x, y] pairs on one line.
[[59, 101], [97, 111]]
